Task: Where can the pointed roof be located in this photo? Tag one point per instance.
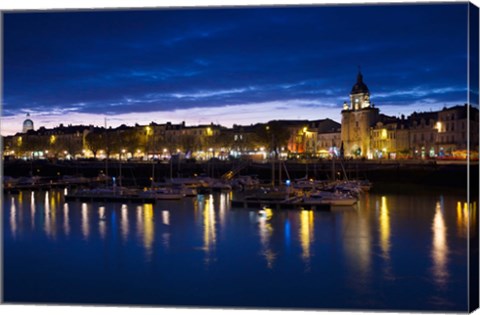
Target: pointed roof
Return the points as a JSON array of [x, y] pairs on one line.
[[360, 86]]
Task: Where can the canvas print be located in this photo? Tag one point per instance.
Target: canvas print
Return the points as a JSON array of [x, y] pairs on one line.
[[284, 157]]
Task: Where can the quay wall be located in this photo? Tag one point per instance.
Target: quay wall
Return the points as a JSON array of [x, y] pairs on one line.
[[137, 173]]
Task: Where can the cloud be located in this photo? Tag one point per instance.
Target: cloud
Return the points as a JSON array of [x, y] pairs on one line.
[[176, 62]]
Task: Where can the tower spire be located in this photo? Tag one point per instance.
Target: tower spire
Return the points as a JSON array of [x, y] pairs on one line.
[[359, 75]]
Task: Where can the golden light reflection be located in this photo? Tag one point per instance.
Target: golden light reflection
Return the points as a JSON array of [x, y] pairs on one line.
[[32, 209], [439, 247], [102, 225], [85, 223], [306, 235], [209, 233], [462, 221], [124, 222], [473, 219], [357, 244], [466, 219], [148, 228], [66, 219], [53, 202], [266, 231], [13, 218], [385, 228]]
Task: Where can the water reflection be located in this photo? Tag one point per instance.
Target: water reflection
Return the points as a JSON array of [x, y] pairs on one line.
[[46, 203], [223, 208], [462, 221], [124, 222], [385, 228], [102, 227], [473, 219], [466, 219], [148, 228], [13, 218], [166, 217], [32, 209], [85, 221], [439, 246], [50, 214], [166, 235], [385, 237], [266, 231], [66, 219], [53, 200], [209, 233], [357, 243], [306, 235], [361, 245]]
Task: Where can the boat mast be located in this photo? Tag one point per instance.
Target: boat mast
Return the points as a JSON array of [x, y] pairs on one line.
[[333, 162], [106, 152], [273, 160]]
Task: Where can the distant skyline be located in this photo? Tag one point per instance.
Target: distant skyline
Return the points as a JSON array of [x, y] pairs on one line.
[[229, 66]]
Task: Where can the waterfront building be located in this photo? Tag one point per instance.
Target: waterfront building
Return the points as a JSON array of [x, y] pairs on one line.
[[455, 126], [328, 137], [62, 141], [423, 134], [365, 133], [389, 138], [442, 133]]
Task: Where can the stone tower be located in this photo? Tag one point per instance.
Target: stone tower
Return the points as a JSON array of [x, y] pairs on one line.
[[357, 118]]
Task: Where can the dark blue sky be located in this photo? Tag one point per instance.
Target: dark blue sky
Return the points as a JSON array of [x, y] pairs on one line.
[[231, 65]]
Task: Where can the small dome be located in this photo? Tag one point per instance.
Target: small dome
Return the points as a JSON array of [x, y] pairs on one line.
[[359, 87], [27, 124]]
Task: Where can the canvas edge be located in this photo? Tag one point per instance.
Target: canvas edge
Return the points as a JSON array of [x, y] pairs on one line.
[[473, 178]]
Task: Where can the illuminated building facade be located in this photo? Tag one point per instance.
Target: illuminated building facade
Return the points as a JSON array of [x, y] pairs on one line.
[[357, 119], [365, 133], [443, 133]]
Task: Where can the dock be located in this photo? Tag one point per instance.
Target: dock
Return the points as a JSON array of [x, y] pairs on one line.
[[109, 198], [292, 203]]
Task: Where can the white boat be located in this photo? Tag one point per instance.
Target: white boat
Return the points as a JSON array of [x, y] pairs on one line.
[[245, 182], [163, 194], [186, 181], [329, 198], [269, 193], [215, 184], [188, 191]]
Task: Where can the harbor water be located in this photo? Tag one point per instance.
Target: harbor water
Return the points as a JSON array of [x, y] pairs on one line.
[[398, 249]]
